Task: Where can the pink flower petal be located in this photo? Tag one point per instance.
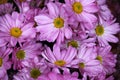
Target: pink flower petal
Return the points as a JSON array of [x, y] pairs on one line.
[[111, 38], [88, 17], [92, 8], [68, 33], [53, 10], [13, 41], [45, 28], [86, 2], [43, 19], [27, 26], [29, 33], [56, 51]]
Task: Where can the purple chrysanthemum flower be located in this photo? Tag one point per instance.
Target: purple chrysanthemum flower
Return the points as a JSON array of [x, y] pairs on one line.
[[53, 26], [82, 10], [107, 59], [87, 62], [33, 70], [60, 58], [13, 29], [23, 54], [105, 31]]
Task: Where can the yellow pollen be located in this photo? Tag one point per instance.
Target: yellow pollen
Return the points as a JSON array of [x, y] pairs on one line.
[[60, 63], [99, 58], [35, 73], [73, 43], [3, 1], [58, 22], [15, 32], [20, 54], [81, 65], [1, 62], [77, 7], [99, 30]]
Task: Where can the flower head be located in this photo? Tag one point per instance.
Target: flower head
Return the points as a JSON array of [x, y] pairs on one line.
[[33, 70], [106, 58], [60, 58], [14, 30], [82, 10], [53, 26], [104, 32], [86, 61], [23, 54]]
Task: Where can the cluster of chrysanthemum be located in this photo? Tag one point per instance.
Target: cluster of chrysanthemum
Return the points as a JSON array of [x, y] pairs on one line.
[[57, 40]]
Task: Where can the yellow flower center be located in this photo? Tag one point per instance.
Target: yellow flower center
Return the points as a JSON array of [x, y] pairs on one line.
[[73, 43], [20, 54], [77, 7], [58, 22], [99, 30], [15, 32], [1, 62], [60, 63], [81, 65], [99, 58], [3, 1], [35, 73]]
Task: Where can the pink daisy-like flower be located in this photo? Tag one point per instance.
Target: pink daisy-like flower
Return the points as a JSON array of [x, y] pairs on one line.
[[53, 26], [107, 59], [5, 64], [82, 10], [34, 69], [86, 61], [13, 29], [59, 58], [26, 52], [104, 31]]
